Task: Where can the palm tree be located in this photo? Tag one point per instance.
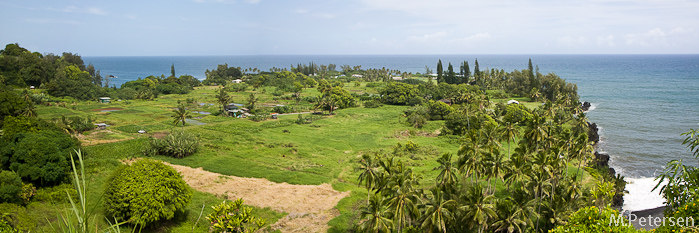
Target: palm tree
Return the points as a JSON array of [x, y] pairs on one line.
[[223, 98], [509, 217], [448, 172], [376, 216], [498, 166], [438, 211], [369, 175], [403, 198], [478, 207], [29, 110], [180, 114], [509, 132], [537, 132]]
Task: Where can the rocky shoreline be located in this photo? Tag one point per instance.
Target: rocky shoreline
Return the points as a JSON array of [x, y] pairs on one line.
[[602, 161]]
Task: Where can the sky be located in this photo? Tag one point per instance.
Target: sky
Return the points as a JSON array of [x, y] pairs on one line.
[[333, 27]]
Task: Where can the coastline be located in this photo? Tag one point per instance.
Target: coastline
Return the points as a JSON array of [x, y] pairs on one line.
[[602, 160]]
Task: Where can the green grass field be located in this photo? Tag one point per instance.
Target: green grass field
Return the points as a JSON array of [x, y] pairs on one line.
[[325, 151]]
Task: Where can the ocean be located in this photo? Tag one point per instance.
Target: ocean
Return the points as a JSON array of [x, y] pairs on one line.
[[641, 103]]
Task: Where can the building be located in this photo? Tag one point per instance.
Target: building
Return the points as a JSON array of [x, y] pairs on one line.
[[233, 106], [237, 81], [105, 100], [446, 101], [512, 102], [357, 75], [101, 126]]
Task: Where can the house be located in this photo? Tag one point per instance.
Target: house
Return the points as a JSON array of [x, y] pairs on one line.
[[275, 115], [233, 106], [357, 76], [397, 78], [105, 100], [237, 81], [512, 102], [101, 126], [446, 101], [31, 87]]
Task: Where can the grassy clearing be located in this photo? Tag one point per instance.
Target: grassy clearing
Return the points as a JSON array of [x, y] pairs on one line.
[[325, 151]]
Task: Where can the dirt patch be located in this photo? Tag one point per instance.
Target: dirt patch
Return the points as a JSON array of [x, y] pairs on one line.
[[107, 109], [408, 133], [310, 207], [159, 135], [89, 140]]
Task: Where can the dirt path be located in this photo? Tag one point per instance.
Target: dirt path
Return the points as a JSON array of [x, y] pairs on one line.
[[310, 207]]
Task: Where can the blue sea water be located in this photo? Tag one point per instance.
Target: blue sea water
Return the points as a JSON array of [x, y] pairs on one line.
[[641, 103]]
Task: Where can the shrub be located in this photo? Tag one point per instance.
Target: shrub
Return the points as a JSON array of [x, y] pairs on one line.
[[41, 158], [374, 84], [439, 110], [306, 119], [14, 218], [237, 87], [516, 113], [373, 104], [415, 101], [146, 192], [234, 217], [178, 144], [591, 219], [56, 194], [282, 109], [10, 187]]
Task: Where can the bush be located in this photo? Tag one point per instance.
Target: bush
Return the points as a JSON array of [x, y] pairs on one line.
[[517, 113], [415, 101], [56, 194], [306, 119], [41, 158], [373, 104], [234, 217], [591, 219], [14, 218], [146, 192], [374, 84], [237, 87], [282, 109], [178, 144], [10, 187], [439, 110]]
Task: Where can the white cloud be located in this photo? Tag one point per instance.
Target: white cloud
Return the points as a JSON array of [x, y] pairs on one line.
[[428, 37], [252, 1], [301, 11], [324, 15], [605, 40], [572, 41], [655, 36]]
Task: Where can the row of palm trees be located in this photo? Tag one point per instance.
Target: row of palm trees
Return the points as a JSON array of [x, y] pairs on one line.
[[536, 191]]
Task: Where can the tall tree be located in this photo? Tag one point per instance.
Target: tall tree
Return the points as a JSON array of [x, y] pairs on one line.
[[368, 174], [172, 70], [465, 72], [440, 70], [376, 216], [477, 73], [223, 98], [451, 76], [180, 114]]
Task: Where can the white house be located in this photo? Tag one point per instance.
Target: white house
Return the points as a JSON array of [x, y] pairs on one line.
[[513, 102], [237, 81]]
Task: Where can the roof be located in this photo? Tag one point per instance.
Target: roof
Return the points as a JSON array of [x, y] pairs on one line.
[[105, 98], [512, 102], [234, 104], [101, 124]]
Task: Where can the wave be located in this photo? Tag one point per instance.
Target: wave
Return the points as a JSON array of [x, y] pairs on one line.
[[593, 106], [640, 196]]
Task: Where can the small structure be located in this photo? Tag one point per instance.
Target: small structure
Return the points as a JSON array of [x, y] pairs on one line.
[[446, 101], [233, 106], [357, 75], [512, 102], [141, 131], [105, 100], [101, 126], [397, 78], [275, 115], [31, 87], [237, 81]]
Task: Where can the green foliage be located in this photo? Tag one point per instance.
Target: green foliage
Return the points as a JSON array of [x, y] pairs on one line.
[[397, 93], [592, 220], [373, 104], [10, 187], [233, 217], [41, 157], [10, 104], [682, 185], [56, 194], [517, 113], [237, 87], [222, 75], [439, 110], [301, 120], [177, 144], [146, 192], [14, 218], [688, 212], [282, 109], [342, 98]]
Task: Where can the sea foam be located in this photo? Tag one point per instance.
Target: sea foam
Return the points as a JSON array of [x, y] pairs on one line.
[[640, 196]]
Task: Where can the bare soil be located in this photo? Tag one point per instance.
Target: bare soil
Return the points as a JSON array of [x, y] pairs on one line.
[[89, 140], [310, 207]]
